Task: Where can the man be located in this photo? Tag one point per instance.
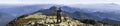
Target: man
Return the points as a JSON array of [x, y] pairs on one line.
[[59, 15]]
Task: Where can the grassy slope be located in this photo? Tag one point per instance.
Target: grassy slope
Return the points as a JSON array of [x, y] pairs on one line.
[[51, 20]]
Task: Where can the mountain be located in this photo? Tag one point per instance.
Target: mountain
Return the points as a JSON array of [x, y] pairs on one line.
[[101, 11], [5, 18], [73, 13], [14, 12], [98, 7], [96, 12], [19, 10]]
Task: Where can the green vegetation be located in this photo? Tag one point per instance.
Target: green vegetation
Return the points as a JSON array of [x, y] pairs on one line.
[[43, 20]]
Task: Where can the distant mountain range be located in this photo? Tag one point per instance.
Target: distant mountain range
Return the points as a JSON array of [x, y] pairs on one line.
[[74, 13], [109, 13], [104, 11]]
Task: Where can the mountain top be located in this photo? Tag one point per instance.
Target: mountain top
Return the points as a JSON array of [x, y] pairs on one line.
[[41, 18]]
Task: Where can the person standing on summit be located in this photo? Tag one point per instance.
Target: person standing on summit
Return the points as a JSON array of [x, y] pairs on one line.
[[59, 11]]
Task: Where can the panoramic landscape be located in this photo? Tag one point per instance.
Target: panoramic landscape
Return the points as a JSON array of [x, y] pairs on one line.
[[60, 13]]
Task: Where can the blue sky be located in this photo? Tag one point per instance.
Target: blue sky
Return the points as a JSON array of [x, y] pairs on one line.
[[57, 1]]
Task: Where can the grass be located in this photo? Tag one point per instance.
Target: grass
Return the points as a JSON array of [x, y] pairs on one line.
[[45, 20]]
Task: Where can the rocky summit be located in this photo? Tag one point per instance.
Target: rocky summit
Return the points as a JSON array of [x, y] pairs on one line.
[[50, 16], [42, 20]]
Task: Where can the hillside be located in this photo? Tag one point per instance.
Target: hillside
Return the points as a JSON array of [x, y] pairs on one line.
[[38, 19], [111, 17], [43, 20]]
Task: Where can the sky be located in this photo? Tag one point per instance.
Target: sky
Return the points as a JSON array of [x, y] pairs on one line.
[[57, 1]]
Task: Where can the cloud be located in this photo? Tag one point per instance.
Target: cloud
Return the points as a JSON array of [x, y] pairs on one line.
[[57, 1]]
